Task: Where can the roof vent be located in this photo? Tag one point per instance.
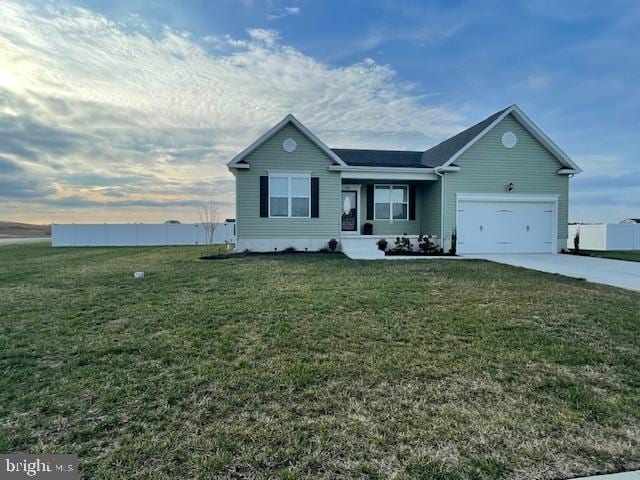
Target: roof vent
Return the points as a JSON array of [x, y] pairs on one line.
[[509, 139], [289, 145]]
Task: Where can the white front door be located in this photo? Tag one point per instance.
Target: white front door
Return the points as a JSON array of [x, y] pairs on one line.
[[495, 226]]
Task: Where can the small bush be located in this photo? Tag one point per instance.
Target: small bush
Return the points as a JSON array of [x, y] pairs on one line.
[[403, 245], [333, 244], [426, 245], [290, 249], [382, 244], [454, 243]]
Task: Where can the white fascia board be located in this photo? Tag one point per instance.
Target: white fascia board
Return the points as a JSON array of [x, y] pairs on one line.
[[389, 176], [385, 173], [544, 139], [235, 162], [351, 168], [531, 128], [568, 171]]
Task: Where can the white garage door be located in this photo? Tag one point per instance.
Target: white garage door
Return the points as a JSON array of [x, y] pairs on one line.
[[505, 227]]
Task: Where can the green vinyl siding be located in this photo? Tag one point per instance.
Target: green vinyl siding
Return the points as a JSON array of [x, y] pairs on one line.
[[487, 167], [306, 158], [427, 210], [431, 208]]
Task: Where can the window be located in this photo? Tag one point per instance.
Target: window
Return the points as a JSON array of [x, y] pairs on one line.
[[289, 196], [391, 202]]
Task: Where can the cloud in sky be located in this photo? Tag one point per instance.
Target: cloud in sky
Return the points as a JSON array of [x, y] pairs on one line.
[[538, 82], [137, 119], [286, 12], [91, 108]]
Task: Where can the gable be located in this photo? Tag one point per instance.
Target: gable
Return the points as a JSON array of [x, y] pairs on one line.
[[528, 153], [239, 161], [271, 154]]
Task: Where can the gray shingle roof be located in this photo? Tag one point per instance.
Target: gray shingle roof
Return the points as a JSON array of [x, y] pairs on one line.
[[379, 158], [433, 157], [438, 155]]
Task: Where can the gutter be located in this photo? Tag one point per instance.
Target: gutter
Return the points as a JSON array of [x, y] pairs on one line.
[[437, 171]]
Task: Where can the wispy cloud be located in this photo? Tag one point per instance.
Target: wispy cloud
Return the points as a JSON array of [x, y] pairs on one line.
[[537, 82], [286, 12], [97, 109]]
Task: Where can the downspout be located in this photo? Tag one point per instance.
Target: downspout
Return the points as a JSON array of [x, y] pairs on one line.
[[437, 171]]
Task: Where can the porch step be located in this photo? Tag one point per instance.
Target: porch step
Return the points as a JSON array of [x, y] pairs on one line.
[[361, 248]]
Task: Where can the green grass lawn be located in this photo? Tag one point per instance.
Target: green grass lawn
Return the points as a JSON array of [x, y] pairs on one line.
[[630, 255], [314, 366]]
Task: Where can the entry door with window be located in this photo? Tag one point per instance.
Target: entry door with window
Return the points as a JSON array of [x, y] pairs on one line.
[[349, 211]]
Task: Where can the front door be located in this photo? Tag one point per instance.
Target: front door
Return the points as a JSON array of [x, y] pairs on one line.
[[349, 211]]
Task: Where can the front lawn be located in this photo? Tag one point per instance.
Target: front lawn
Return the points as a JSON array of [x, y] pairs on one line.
[[314, 366], [629, 255]]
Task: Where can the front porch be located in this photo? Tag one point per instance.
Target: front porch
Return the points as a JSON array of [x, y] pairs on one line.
[[376, 209]]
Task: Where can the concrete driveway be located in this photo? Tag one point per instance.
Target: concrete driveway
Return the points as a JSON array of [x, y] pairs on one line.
[[616, 273]]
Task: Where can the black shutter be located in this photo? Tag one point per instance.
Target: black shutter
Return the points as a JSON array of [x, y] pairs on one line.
[[412, 202], [369, 202], [264, 196], [315, 197]]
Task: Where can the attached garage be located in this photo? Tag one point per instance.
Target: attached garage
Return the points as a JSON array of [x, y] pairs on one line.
[[507, 223]]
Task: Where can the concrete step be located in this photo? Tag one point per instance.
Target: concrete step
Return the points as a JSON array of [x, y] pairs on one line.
[[361, 248]]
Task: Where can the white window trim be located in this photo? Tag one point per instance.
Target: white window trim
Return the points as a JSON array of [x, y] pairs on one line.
[[289, 197], [390, 219]]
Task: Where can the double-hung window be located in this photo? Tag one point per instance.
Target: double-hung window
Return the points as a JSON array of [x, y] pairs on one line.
[[391, 202], [289, 195]]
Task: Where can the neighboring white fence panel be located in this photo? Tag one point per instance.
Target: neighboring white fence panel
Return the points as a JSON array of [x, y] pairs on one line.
[[138, 234], [607, 236]]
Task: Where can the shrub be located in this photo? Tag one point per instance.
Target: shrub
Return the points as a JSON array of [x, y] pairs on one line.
[[454, 242], [382, 244], [290, 249], [426, 246], [333, 244], [403, 245]]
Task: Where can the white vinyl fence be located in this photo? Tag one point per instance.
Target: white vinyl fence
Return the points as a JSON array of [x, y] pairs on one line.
[[607, 236], [138, 234]]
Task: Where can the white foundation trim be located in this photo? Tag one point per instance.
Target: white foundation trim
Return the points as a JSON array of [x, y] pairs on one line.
[[270, 244]]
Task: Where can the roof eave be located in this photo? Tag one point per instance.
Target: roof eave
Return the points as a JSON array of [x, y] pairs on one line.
[[358, 168]]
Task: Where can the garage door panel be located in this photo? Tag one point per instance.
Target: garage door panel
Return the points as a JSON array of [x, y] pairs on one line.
[[505, 227]]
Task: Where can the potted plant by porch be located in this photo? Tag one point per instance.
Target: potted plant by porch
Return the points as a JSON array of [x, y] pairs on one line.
[[367, 229]]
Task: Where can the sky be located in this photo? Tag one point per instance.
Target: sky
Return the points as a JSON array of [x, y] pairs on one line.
[[128, 111]]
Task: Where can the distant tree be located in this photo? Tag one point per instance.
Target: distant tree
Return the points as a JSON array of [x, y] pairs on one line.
[[209, 219]]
